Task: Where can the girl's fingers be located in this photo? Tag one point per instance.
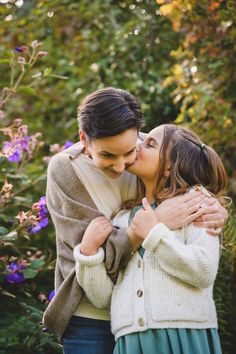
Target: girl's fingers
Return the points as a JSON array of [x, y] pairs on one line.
[[146, 204]]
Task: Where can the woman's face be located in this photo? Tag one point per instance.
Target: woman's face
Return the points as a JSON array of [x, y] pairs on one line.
[[112, 154], [147, 162]]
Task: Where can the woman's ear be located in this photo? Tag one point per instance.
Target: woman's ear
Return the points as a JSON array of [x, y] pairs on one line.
[[83, 138]]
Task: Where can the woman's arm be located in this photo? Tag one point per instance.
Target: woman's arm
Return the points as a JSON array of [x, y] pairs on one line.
[[92, 277], [195, 207]]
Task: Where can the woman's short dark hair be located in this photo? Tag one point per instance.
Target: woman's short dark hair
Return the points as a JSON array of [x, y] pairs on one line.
[[108, 112]]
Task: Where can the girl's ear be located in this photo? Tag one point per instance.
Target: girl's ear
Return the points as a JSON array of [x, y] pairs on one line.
[[167, 170]]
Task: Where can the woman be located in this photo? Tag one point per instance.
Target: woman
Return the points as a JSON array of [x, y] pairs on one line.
[[162, 302]]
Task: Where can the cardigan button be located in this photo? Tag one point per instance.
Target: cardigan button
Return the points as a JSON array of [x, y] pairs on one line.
[[141, 322], [139, 293], [139, 263]]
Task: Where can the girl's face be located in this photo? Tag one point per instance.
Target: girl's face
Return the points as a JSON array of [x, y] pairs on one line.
[[147, 161]]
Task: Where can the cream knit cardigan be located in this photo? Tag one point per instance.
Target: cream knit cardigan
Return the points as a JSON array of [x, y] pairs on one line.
[[170, 287]]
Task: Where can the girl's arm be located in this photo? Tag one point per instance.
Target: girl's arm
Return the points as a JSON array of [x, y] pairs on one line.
[[194, 262], [92, 277], [72, 209]]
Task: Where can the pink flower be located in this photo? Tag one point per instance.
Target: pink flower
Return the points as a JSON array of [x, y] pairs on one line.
[[36, 44], [7, 187], [22, 217], [42, 297], [42, 54], [21, 60]]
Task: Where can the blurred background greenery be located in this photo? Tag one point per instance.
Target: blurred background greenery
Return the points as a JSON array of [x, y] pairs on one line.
[[177, 57]]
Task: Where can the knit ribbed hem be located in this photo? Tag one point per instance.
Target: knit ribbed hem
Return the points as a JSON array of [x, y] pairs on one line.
[[88, 260], [165, 324], [154, 236]]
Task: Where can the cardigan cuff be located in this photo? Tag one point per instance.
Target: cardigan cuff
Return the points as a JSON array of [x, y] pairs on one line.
[[92, 260], [154, 236]]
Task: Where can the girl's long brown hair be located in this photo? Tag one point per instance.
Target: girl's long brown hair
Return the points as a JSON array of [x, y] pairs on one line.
[[190, 163]]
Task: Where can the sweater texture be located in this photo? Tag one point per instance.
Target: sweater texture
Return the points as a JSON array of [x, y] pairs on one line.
[[170, 287]]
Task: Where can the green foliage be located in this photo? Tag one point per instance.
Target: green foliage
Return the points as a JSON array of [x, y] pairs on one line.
[[23, 334]]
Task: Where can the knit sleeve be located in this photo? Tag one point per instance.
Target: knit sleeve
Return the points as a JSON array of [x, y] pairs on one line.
[[72, 209], [194, 261], [92, 277]]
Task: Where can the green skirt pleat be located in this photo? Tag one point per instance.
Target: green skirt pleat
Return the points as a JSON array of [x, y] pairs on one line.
[[170, 341]]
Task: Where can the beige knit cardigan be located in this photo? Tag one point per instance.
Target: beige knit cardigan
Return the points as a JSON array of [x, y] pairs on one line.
[[72, 209]]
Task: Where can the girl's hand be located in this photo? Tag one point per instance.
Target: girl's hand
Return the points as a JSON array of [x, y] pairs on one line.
[[95, 235], [144, 220]]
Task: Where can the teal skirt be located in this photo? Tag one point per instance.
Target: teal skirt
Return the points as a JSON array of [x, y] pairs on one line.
[[170, 341]]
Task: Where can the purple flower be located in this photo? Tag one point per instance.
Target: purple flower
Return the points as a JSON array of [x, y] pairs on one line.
[[67, 144], [18, 49], [44, 222], [42, 201], [15, 157], [16, 277], [15, 274], [14, 267], [24, 143], [51, 295], [15, 148], [43, 219], [35, 229]]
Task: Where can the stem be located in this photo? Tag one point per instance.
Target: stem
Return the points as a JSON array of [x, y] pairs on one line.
[[30, 185], [13, 86], [12, 74]]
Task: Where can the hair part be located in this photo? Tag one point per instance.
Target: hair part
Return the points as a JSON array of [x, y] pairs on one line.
[[109, 112]]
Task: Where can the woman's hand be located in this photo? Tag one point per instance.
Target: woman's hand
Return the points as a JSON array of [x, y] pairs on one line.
[[214, 217], [195, 207], [95, 235], [144, 220]]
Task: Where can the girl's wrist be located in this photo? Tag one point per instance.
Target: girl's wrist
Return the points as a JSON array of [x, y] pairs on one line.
[[87, 251]]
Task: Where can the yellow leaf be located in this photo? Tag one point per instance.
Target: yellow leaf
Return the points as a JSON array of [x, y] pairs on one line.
[[160, 1], [177, 70], [167, 9]]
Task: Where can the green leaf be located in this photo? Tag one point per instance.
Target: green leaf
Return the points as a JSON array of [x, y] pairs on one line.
[[59, 76], [3, 230], [47, 71], [6, 293], [4, 61], [37, 263], [27, 90], [30, 273], [11, 236]]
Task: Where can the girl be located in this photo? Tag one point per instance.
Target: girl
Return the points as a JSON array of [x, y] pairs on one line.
[[162, 302]]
